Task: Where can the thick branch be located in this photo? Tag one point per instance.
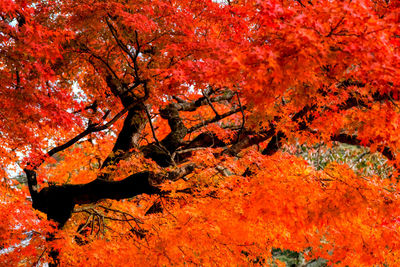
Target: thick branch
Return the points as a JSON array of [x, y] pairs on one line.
[[33, 165], [58, 202], [193, 105], [161, 151], [128, 139], [353, 140], [303, 118], [178, 129], [274, 145], [249, 140]]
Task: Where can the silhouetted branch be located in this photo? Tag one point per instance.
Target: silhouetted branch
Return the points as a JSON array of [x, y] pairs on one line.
[[353, 140]]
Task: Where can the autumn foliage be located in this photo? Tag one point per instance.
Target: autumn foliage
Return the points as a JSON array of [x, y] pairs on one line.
[[158, 133]]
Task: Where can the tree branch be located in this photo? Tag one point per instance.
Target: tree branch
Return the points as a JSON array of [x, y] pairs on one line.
[[91, 129], [243, 118], [215, 119], [58, 202], [302, 117], [161, 152], [210, 103], [128, 139], [353, 140], [193, 105]]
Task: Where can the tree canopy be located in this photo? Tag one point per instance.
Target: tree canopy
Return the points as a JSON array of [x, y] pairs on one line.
[[161, 132]]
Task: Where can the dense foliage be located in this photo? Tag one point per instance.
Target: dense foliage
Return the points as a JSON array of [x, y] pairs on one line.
[[176, 132]]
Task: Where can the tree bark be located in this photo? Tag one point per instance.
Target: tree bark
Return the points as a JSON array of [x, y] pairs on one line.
[[59, 201], [127, 140]]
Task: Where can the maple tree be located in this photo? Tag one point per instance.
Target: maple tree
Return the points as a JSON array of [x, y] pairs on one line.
[[159, 132]]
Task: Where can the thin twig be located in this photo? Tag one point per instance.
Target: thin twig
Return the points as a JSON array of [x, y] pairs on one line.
[[98, 223], [155, 137], [162, 204], [151, 125], [120, 43], [210, 104], [38, 260], [122, 212], [90, 129], [243, 117]]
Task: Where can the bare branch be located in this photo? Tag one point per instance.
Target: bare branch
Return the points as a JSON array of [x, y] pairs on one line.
[[215, 119], [151, 125], [137, 220], [120, 43], [210, 104], [353, 140], [91, 129]]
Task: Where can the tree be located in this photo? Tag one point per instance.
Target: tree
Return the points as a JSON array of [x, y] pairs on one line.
[[157, 132]]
